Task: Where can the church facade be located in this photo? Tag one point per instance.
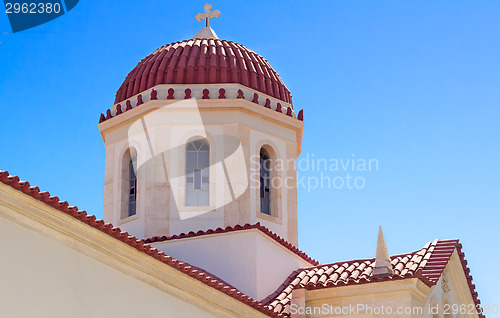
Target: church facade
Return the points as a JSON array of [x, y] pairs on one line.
[[200, 212]]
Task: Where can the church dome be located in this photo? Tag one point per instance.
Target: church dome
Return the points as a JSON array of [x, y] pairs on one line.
[[204, 61]]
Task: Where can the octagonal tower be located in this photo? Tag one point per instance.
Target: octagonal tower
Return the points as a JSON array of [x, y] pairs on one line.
[[202, 135]]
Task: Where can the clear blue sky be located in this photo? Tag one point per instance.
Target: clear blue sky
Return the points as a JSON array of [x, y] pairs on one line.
[[413, 84]]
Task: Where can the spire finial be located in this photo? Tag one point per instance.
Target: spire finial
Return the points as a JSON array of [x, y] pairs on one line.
[[207, 32], [383, 266]]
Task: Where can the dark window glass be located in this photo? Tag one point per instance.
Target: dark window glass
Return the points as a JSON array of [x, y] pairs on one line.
[[132, 177], [265, 177]]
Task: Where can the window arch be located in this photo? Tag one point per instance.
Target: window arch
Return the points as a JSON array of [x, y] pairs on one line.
[[197, 173], [265, 180], [129, 183]]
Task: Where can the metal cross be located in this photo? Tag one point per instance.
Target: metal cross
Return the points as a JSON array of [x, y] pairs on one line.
[[207, 15]]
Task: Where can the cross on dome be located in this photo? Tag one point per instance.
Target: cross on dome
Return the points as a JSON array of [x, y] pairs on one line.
[[208, 14], [207, 32]]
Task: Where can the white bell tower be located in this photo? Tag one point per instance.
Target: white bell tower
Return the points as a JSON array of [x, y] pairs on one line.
[[202, 135]]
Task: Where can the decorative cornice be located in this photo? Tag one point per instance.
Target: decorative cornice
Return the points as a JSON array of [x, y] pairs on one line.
[[202, 91]]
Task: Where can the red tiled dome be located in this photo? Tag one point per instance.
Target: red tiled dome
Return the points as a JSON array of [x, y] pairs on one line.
[[204, 61]]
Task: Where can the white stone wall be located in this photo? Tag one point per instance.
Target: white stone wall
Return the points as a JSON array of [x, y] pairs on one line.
[[40, 276], [159, 131], [54, 265], [247, 259]]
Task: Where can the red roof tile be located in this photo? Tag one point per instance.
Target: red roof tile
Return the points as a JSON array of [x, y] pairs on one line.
[[427, 264], [257, 226], [195, 272], [204, 61]]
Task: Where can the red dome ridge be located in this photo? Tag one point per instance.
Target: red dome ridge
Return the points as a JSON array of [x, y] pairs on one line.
[[204, 61]]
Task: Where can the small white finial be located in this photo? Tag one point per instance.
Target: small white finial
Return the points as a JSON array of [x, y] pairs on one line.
[[383, 266]]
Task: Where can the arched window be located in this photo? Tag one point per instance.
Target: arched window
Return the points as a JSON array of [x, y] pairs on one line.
[[265, 178], [132, 180], [197, 173], [129, 183]]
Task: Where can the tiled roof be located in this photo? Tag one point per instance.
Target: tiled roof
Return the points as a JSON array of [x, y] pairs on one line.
[[140, 245], [257, 226], [427, 264], [204, 61]]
